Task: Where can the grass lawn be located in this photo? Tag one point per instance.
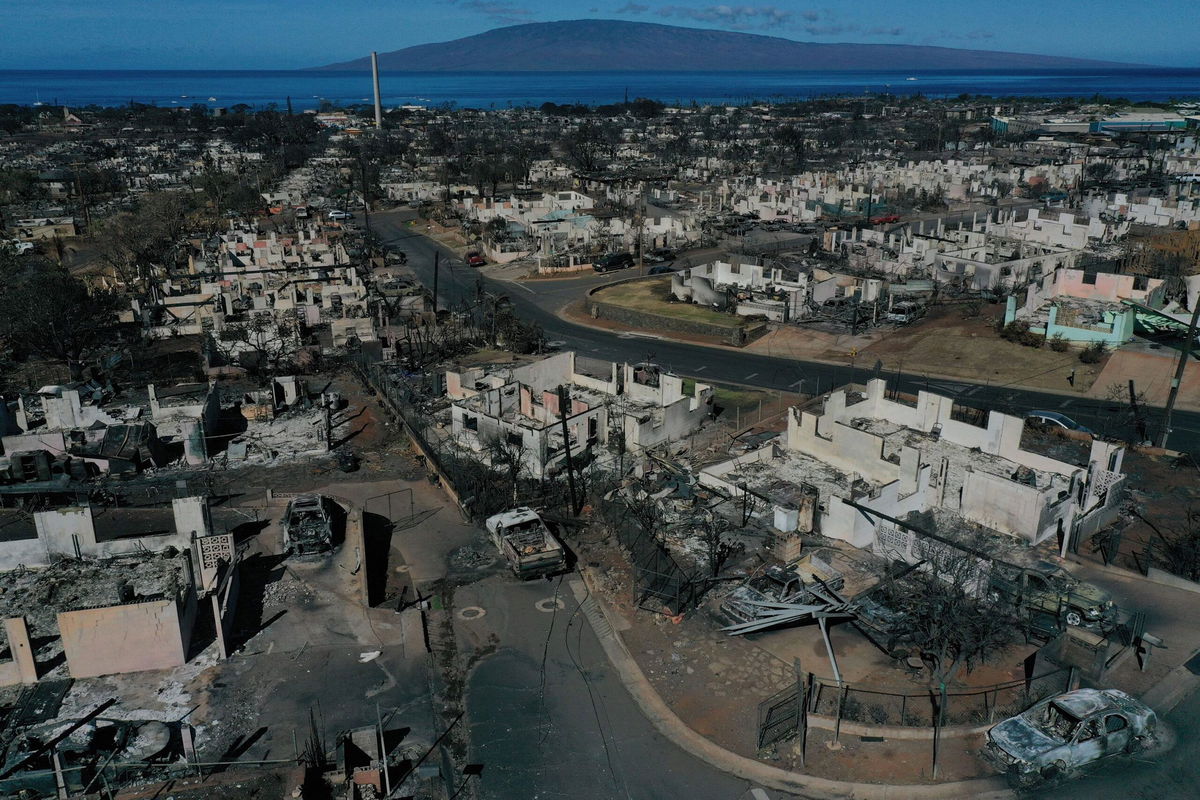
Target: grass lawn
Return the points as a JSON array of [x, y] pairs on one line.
[[648, 296]]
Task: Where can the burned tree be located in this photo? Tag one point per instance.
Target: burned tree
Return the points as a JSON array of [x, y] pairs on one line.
[[949, 615], [1176, 547], [47, 312], [260, 344], [717, 547]]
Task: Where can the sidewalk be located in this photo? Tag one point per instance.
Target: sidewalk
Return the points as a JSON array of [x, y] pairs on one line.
[[668, 723]]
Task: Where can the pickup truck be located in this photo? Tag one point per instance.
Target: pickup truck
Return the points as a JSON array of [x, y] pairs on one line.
[[885, 219], [523, 538], [1047, 591]]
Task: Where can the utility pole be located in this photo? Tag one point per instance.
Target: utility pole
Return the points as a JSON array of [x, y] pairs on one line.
[[437, 261], [362, 168], [1184, 355], [562, 414], [1138, 419]]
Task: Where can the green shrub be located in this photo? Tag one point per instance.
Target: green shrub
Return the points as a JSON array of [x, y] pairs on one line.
[[1093, 353], [1018, 331], [852, 709], [1014, 330], [1059, 343]]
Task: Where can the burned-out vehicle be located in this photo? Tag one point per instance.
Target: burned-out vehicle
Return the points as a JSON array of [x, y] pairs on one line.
[[308, 526], [525, 541], [1048, 590], [86, 749], [778, 584], [1064, 733]]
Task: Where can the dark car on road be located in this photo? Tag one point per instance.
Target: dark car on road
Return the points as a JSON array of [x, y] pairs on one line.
[[613, 261], [660, 255], [662, 269]]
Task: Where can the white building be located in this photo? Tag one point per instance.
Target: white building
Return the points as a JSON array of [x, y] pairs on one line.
[[896, 458]]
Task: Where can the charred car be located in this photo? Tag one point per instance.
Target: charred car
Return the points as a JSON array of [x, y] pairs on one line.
[[526, 542], [777, 584], [1063, 733], [308, 526]]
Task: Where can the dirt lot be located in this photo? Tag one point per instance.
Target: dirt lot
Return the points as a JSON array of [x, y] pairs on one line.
[[945, 343]]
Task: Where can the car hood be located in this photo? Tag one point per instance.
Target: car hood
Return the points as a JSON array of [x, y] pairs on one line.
[[1090, 594], [1022, 740]]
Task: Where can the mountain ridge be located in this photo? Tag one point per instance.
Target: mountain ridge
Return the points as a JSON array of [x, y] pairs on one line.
[[594, 45]]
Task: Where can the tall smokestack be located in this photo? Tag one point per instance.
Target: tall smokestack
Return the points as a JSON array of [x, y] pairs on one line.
[[375, 77]]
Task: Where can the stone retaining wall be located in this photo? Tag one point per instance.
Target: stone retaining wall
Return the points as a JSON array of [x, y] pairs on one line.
[[738, 336]]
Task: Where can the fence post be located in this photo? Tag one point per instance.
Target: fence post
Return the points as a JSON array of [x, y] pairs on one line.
[[903, 708], [837, 727], [801, 708], [939, 702]]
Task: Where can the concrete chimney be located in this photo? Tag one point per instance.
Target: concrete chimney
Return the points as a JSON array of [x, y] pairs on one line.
[[375, 78]]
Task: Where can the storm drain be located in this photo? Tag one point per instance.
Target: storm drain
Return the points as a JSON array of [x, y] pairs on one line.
[[548, 605]]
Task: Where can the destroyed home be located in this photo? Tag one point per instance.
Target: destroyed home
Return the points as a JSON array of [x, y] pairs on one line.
[[745, 287], [898, 457], [1084, 306], [631, 407]]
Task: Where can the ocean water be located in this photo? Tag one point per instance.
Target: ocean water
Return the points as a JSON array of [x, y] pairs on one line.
[[307, 89]]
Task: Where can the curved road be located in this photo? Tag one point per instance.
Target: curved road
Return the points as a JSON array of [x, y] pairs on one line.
[[458, 284]]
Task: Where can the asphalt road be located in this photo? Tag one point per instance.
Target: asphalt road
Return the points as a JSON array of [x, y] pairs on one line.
[[550, 718], [458, 284]]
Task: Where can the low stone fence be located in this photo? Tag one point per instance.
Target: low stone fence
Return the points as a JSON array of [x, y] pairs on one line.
[[900, 713]]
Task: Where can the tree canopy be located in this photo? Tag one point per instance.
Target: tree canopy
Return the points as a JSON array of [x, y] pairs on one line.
[[47, 312]]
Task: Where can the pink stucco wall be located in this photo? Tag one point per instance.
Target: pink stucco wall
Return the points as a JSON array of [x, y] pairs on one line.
[[125, 638]]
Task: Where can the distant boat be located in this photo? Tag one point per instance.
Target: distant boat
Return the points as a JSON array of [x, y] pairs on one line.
[[212, 99], [910, 79]]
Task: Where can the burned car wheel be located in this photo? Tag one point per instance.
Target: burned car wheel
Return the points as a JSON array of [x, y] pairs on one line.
[[1054, 772]]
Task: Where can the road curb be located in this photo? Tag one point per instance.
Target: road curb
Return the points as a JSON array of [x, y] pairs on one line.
[[670, 726]]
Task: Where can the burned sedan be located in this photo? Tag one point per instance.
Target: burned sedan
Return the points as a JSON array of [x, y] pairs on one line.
[[307, 528], [1064, 733]]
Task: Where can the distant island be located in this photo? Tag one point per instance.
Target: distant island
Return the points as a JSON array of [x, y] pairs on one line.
[[595, 45]]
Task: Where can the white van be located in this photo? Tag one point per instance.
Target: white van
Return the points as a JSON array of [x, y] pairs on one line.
[[904, 313]]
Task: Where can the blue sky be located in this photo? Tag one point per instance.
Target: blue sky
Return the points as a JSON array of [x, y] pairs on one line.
[[278, 34]]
